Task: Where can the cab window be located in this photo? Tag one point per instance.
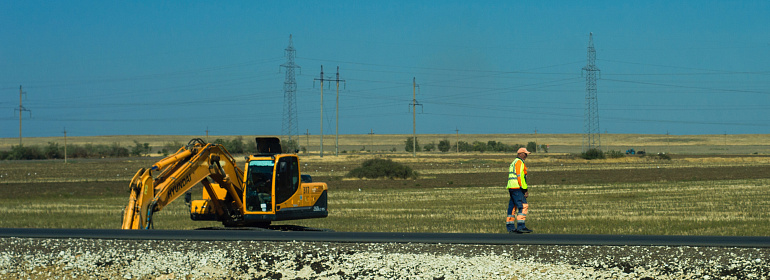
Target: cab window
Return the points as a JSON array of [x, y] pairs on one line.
[[259, 185]]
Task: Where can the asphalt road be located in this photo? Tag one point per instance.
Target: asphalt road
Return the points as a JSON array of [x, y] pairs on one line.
[[390, 237]]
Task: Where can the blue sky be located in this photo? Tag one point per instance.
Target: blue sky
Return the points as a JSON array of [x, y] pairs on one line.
[[181, 67]]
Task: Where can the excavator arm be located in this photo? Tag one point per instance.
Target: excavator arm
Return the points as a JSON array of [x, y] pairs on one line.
[[197, 162]]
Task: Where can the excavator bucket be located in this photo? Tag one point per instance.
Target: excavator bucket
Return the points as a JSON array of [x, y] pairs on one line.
[[141, 187]]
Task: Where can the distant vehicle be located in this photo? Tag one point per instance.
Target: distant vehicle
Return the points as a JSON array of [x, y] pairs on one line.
[[630, 152]]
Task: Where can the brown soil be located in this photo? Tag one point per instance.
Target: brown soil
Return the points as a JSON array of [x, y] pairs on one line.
[[617, 176]]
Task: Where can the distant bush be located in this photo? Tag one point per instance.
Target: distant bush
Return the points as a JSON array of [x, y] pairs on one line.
[[532, 147], [593, 153], [664, 156], [378, 168], [429, 147], [463, 146], [56, 151], [53, 151], [479, 146], [615, 154], [139, 149], [115, 150], [410, 144], [235, 146], [444, 145], [23, 152]]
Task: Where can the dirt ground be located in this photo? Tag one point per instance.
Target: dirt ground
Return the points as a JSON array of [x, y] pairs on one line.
[[99, 177]]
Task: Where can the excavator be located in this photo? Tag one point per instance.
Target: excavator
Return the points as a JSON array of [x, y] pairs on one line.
[[269, 188]]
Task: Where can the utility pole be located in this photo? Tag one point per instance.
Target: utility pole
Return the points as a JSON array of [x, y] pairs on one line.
[[535, 140], [414, 116], [21, 109], [307, 139], [207, 134], [321, 135], [371, 139], [337, 115], [591, 136], [290, 128], [65, 145], [457, 139]]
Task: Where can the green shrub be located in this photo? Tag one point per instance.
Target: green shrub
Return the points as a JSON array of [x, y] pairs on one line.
[[115, 150], [56, 151], [24, 152], [444, 145], [592, 153], [615, 154], [139, 148], [532, 147], [463, 146], [53, 151], [664, 156], [429, 147], [377, 168], [410, 144]]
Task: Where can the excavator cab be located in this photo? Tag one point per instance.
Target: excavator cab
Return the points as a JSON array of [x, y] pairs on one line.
[[272, 190]]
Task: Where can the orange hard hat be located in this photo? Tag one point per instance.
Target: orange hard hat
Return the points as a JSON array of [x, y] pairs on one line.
[[523, 150]]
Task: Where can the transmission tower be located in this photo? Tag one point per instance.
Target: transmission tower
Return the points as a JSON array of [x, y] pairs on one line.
[[591, 134], [290, 130]]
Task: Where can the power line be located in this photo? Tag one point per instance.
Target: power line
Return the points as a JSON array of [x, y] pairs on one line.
[[689, 87], [710, 71]]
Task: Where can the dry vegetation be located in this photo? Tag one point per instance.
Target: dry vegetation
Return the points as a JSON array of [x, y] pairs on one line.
[[695, 194], [559, 143]]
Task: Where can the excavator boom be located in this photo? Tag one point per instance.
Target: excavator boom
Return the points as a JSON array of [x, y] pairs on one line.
[[177, 174]]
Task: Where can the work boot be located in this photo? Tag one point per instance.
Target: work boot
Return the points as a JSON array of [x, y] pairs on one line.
[[524, 230], [515, 231]]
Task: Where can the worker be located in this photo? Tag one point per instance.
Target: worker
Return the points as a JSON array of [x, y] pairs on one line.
[[517, 190]]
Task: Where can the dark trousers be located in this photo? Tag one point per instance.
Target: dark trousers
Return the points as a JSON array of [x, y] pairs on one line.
[[517, 210]]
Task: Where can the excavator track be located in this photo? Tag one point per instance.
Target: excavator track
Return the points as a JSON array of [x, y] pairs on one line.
[[271, 228]]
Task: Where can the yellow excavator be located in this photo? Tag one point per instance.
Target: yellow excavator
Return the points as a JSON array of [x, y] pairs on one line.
[[269, 188]]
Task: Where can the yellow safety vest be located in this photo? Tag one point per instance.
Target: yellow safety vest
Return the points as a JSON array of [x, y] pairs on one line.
[[517, 179]]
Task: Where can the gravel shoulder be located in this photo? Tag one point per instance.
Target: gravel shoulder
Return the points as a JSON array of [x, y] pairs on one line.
[[35, 258]]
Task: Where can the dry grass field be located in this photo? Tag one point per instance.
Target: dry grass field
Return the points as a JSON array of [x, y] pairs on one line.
[[558, 143], [705, 193]]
